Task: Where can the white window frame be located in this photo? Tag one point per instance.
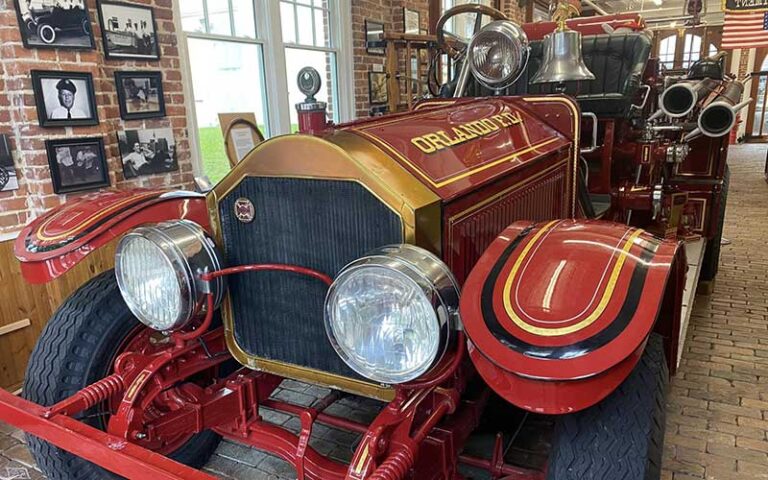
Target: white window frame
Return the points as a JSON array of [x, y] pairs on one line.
[[269, 37]]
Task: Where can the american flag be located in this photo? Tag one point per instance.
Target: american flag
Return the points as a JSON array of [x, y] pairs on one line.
[[745, 29]]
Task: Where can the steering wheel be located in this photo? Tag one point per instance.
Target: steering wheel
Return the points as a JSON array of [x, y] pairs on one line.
[[478, 9]]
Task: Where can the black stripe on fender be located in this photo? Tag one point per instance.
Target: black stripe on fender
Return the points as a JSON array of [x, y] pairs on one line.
[[582, 347]]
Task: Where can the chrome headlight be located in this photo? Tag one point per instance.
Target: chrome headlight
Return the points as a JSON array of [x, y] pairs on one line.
[[498, 54], [390, 314], [158, 271]]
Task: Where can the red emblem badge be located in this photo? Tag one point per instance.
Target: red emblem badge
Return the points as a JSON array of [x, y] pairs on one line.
[[244, 210]]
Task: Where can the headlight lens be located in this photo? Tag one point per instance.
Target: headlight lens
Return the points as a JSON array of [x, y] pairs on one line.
[[158, 271], [389, 315], [498, 53]]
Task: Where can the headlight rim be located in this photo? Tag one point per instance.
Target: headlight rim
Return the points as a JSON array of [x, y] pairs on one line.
[[391, 257], [192, 289]]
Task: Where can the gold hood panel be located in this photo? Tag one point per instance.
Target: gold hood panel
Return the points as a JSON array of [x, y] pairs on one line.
[[343, 156]]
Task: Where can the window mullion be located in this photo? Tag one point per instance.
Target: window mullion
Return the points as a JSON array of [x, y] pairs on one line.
[[341, 40], [258, 27], [274, 54], [295, 22], [205, 17], [231, 18], [314, 30]]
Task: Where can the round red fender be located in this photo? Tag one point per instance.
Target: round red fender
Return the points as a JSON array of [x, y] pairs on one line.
[[557, 314]]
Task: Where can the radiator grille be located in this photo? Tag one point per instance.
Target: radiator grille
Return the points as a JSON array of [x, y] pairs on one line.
[[319, 224], [470, 234]]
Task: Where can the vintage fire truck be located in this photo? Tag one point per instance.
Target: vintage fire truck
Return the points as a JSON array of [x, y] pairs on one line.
[[512, 251]]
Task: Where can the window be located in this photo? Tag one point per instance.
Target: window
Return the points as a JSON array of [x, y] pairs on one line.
[[305, 23], [760, 118], [667, 51], [682, 51], [219, 17], [692, 49], [308, 43], [235, 49], [226, 63]]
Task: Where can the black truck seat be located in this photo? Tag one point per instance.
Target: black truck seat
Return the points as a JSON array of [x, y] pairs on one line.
[[618, 62]]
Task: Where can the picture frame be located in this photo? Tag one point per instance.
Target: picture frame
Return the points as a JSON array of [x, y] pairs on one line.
[[378, 93], [140, 94], [50, 25], [64, 99], [147, 151], [9, 180], [411, 21], [77, 164], [129, 31], [374, 37]]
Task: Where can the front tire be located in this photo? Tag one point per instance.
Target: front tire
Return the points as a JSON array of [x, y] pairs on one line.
[[711, 262], [622, 436], [76, 348]]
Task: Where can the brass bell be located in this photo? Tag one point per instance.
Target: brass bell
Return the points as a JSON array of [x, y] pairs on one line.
[[563, 60]]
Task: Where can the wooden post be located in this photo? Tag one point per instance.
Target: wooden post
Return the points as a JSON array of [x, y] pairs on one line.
[[393, 89]]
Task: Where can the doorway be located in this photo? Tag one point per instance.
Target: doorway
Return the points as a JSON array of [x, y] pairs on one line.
[[757, 121]]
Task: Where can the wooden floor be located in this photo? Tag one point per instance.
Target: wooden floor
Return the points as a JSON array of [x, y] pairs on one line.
[[718, 404]]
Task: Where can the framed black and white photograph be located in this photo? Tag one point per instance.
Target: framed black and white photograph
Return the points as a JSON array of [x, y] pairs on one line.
[[64, 99], [8, 179], [140, 95], [411, 21], [64, 24], [374, 38], [147, 152], [377, 88], [77, 164], [128, 31]]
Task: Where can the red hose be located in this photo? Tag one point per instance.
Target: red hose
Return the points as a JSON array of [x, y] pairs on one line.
[[458, 357], [268, 267], [181, 337]]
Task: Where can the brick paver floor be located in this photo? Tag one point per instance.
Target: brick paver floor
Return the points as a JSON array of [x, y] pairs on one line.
[[718, 404]]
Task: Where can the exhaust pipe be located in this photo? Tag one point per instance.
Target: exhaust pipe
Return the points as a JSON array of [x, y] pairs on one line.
[[680, 99], [719, 117]]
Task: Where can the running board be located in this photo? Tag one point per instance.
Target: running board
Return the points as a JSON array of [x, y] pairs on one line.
[[694, 252]]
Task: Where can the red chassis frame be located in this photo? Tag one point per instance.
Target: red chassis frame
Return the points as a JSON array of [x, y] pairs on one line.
[[230, 407]]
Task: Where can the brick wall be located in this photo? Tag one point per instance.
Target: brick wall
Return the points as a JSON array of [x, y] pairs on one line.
[[513, 10], [390, 12], [18, 115]]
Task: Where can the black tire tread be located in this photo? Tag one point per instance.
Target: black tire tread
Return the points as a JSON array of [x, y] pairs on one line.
[[93, 319], [622, 437], [711, 262]]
